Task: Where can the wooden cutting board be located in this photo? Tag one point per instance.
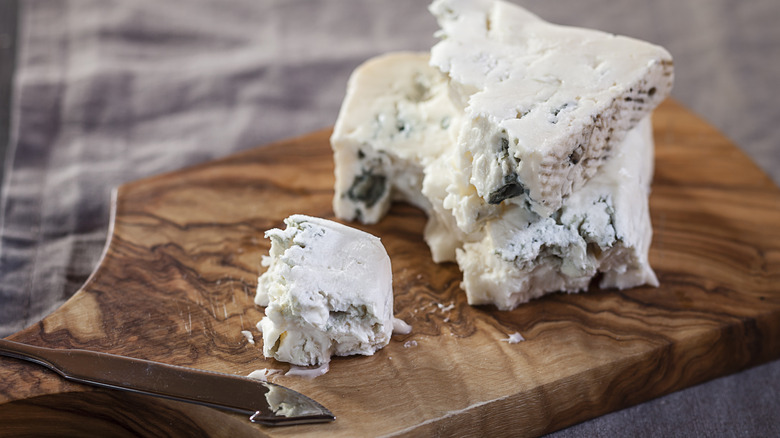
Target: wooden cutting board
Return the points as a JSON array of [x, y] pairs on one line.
[[176, 285]]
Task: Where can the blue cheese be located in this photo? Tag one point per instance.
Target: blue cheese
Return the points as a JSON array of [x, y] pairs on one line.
[[546, 105], [396, 117], [327, 291], [393, 141], [539, 179], [602, 228], [517, 254]]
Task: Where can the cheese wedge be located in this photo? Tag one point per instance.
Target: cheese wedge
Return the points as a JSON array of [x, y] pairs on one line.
[[545, 105], [327, 291], [528, 144]]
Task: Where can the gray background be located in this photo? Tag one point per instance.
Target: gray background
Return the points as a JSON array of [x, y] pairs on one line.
[[110, 91]]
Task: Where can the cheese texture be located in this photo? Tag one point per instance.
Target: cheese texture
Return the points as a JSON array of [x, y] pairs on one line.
[[395, 119], [602, 228], [545, 105], [327, 291]]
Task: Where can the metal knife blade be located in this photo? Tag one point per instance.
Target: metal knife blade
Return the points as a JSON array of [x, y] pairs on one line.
[[265, 403]]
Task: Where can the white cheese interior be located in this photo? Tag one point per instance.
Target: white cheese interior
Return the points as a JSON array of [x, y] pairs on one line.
[[396, 117], [327, 290]]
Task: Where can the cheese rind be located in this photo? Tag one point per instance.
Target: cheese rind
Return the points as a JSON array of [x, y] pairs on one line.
[[327, 290], [547, 104]]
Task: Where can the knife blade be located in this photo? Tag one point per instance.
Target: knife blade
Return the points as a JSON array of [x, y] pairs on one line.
[[266, 403]]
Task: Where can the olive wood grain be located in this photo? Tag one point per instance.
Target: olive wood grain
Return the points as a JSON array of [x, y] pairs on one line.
[[176, 285]]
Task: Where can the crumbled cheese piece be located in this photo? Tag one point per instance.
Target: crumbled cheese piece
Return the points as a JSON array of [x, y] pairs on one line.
[[328, 290], [400, 327], [308, 373], [514, 338], [444, 308]]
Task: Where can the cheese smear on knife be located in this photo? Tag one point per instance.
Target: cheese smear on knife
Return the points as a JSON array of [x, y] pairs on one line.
[[327, 291], [539, 179]]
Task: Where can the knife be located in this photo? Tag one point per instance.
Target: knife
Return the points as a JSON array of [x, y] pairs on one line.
[[265, 403]]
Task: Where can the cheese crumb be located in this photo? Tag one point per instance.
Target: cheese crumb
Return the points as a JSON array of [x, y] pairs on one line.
[[400, 327], [444, 308], [514, 338], [249, 337]]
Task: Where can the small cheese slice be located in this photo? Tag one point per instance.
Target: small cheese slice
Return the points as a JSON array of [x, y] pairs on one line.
[[327, 291], [545, 105]]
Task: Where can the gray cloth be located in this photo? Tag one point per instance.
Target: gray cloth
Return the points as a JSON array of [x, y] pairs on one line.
[[115, 90], [112, 91]]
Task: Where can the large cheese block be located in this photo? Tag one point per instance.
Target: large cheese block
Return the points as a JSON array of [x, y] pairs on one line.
[[538, 180], [516, 254], [545, 105]]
